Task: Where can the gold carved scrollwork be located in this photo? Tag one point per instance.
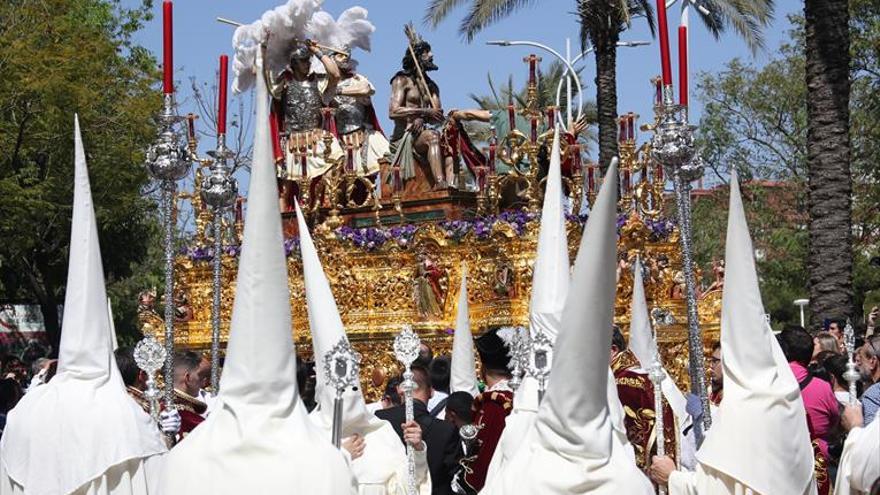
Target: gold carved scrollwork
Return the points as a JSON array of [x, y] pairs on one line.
[[374, 291]]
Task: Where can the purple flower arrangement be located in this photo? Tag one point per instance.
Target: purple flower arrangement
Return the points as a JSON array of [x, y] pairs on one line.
[[374, 238], [660, 228]]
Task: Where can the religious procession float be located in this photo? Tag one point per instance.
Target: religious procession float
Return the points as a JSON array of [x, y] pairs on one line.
[[398, 216]]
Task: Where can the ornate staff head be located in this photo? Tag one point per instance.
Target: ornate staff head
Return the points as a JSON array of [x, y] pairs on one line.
[[342, 366], [540, 357], [149, 355], [517, 341]]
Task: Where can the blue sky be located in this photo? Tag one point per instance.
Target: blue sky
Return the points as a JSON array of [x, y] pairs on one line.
[[200, 39]]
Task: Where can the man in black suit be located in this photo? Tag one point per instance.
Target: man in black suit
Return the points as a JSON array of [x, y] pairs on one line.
[[441, 437]]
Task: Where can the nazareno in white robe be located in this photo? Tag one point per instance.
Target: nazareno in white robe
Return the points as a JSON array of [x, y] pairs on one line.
[[859, 464]]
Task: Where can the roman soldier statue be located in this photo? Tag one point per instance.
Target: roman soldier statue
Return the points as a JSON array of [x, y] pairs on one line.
[[299, 96], [356, 122]]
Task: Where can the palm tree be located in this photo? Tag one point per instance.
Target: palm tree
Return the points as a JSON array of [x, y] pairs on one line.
[[828, 159], [601, 24]]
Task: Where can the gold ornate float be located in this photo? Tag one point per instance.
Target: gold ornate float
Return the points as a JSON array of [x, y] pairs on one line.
[[410, 275]]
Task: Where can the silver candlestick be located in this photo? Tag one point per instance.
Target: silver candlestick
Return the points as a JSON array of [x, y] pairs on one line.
[[656, 375], [540, 360], [168, 161], [518, 348], [406, 349], [219, 190], [341, 370], [851, 375], [673, 147], [150, 356]]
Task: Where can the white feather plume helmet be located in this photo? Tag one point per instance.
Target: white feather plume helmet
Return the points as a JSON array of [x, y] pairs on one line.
[[295, 20]]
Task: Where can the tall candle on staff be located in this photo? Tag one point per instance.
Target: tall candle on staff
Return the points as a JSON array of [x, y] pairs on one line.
[[168, 49], [511, 114], [533, 69], [221, 106], [493, 144], [664, 45], [683, 59]]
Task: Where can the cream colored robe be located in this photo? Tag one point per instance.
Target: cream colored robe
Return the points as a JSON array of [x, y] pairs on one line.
[[860, 462], [706, 480], [382, 469], [133, 477]]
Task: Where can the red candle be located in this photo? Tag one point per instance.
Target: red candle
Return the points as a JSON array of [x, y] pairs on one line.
[[627, 183], [664, 42], [224, 82], [533, 68], [491, 161], [621, 132], [534, 130], [190, 127], [303, 163], [591, 178], [551, 117], [168, 46], [631, 126], [511, 117], [349, 158], [682, 65], [239, 217], [658, 174], [575, 159]]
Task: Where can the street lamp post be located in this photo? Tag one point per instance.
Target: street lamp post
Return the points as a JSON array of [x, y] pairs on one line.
[[800, 303]]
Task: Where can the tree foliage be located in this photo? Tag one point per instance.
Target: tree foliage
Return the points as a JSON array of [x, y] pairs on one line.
[[755, 120], [57, 58]]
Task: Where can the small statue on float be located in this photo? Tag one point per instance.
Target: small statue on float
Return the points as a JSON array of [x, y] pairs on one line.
[[299, 96], [356, 122], [300, 46], [423, 138]]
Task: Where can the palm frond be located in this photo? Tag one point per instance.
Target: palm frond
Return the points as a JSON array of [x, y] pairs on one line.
[[486, 12], [492, 88], [439, 10], [746, 17]]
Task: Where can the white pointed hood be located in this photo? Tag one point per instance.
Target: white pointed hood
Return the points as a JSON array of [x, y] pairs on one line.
[[327, 330], [642, 343], [258, 438], [762, 408], [575, 419], [550, 274], [463, 373], [85, 403]]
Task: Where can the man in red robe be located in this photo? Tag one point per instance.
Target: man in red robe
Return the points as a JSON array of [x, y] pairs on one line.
[[489, 411], [636, 394]]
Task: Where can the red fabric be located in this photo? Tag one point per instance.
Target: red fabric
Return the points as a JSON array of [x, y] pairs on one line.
[[188, 421], [490, 412], [374, 119], [460, 144], [275, 124], [636, 394]]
